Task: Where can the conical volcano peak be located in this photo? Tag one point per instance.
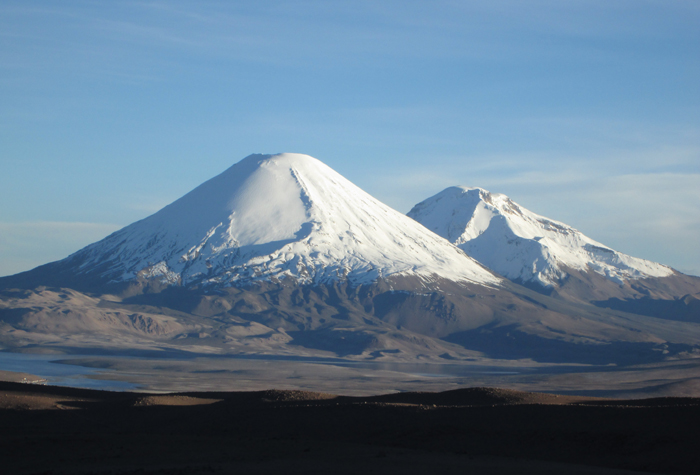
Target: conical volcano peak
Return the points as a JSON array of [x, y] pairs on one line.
[[272, 217], [519, 244]]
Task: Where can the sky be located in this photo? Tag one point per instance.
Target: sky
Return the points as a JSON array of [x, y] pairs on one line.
[[586, 112]]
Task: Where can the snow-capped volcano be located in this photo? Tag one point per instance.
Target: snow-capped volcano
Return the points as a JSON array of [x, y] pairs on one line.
[[179, 279], [520, 244], [273, 217]]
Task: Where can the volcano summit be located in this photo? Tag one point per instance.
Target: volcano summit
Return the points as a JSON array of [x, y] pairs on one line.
[[274, 217]]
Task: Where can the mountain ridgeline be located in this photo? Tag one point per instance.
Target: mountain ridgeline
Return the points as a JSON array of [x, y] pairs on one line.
[[546, 255], [281, 255]]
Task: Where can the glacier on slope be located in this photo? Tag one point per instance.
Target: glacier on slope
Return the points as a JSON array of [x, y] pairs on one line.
[[271, 217], [520, 244]]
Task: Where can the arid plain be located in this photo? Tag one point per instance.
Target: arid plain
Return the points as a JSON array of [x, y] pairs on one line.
[[492, 431]]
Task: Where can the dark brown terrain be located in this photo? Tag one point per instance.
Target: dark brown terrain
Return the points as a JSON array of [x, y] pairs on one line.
[[53, 430]]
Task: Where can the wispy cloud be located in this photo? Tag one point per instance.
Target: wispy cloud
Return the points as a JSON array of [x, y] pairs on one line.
[[136, 36]]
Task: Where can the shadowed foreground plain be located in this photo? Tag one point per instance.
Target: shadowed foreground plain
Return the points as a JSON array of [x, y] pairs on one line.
[[54, 430]]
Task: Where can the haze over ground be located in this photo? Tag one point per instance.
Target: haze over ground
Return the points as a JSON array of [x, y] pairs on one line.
[[584, 112]]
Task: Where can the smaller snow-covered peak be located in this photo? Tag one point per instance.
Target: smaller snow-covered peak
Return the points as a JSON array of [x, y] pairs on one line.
[[455, 212], [519, 244]]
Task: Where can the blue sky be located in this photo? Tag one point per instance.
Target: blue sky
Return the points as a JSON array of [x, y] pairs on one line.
[[587, 112]]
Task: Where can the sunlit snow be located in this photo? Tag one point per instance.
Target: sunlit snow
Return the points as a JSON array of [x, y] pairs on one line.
[[520, 244], [276, 216]]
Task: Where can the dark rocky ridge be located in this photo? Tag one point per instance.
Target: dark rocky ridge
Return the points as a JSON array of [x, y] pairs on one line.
[[591, 287]]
